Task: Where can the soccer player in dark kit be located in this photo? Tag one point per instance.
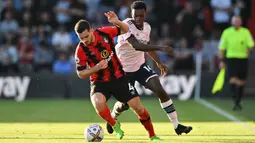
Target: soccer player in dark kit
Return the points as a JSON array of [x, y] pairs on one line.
[[96, 58]]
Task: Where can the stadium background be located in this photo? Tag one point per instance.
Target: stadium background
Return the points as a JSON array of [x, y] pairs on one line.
[[37, 44]]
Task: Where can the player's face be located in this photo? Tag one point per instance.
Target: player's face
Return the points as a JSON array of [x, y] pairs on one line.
[[138, 15], [86, 37]]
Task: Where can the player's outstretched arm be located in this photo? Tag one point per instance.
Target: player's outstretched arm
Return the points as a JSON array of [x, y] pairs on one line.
[[85, 73], [147, 47], [113, 18], [156, 59]]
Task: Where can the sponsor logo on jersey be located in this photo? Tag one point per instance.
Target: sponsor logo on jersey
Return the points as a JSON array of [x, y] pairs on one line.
[[105, 54]]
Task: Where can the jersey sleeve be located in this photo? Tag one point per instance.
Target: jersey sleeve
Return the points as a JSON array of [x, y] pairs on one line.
[[249, 40], [130, 29], [223, 41], [80, 59], [113, 31], [149, 31]]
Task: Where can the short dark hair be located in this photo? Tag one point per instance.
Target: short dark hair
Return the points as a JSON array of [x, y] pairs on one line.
[[138, 5], [82, 25]]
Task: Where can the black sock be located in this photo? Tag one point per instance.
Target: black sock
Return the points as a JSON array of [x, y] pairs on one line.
[[240, 91], [233, 89]]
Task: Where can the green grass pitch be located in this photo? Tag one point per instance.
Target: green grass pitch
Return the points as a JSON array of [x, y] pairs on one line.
[[63, 121]]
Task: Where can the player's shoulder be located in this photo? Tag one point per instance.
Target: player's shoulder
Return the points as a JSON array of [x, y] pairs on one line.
[[79, 49], [128, 21], [147, 25]]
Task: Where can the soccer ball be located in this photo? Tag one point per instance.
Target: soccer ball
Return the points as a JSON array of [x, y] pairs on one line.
[[94, 133]]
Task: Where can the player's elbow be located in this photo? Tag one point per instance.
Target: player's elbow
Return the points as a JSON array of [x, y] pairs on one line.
[[135, 45], [81, 75]]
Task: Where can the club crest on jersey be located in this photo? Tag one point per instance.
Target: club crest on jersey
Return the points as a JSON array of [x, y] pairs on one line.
[[105, 54], [106, 40]]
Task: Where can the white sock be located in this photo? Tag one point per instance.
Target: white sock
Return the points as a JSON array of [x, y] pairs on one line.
[[169, 109], [115, 114]]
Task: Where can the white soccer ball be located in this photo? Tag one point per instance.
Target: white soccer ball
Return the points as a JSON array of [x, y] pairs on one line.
[[94, 133]]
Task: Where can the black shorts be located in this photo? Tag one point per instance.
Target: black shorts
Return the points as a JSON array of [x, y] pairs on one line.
[[237, 68], [120, 88], [143, 75]]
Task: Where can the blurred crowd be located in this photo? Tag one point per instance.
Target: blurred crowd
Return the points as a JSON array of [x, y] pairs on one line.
[[38, 35]]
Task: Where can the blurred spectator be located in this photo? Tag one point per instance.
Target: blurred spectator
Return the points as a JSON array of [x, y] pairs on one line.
[[123, 9], [105, 6], [165, 12], [42, 34], [8, 7], [221, 13], [63, 65], [26, 50], [61, 39], [44, 56], [93, 10], [62, 12], [27, 20], [52, 22], [9, 24], [188, 21], [206, 19], [243, 9], [184, 59], [9, 55], [77, 10], [209, 54], [46, 21]]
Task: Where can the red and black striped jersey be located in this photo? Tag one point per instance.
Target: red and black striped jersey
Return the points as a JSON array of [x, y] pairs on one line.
[[102, 48]]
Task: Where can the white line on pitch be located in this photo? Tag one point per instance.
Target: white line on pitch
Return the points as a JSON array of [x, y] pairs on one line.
[[225, 114]]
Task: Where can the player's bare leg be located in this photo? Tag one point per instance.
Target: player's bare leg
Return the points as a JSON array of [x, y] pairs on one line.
[[99, 102], [140, 111], [167, 105]]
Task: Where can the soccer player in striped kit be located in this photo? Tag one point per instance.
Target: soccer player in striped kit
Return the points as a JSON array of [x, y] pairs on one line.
[[130, 49], [96, 58]]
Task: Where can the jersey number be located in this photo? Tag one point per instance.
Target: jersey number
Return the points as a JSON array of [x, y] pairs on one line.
[[131, 87], [147, 68]]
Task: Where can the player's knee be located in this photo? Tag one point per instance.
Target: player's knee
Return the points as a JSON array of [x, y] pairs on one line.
[[98, 101], [138, 108], [136, 104]]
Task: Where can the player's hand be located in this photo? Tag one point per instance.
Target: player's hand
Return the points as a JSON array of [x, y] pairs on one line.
[[163, 69], [112, 17], [101, 65], [169, 50], [222, 65]]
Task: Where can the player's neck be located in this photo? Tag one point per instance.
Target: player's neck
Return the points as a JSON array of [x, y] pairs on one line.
[[139, 27], [93, 38]]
